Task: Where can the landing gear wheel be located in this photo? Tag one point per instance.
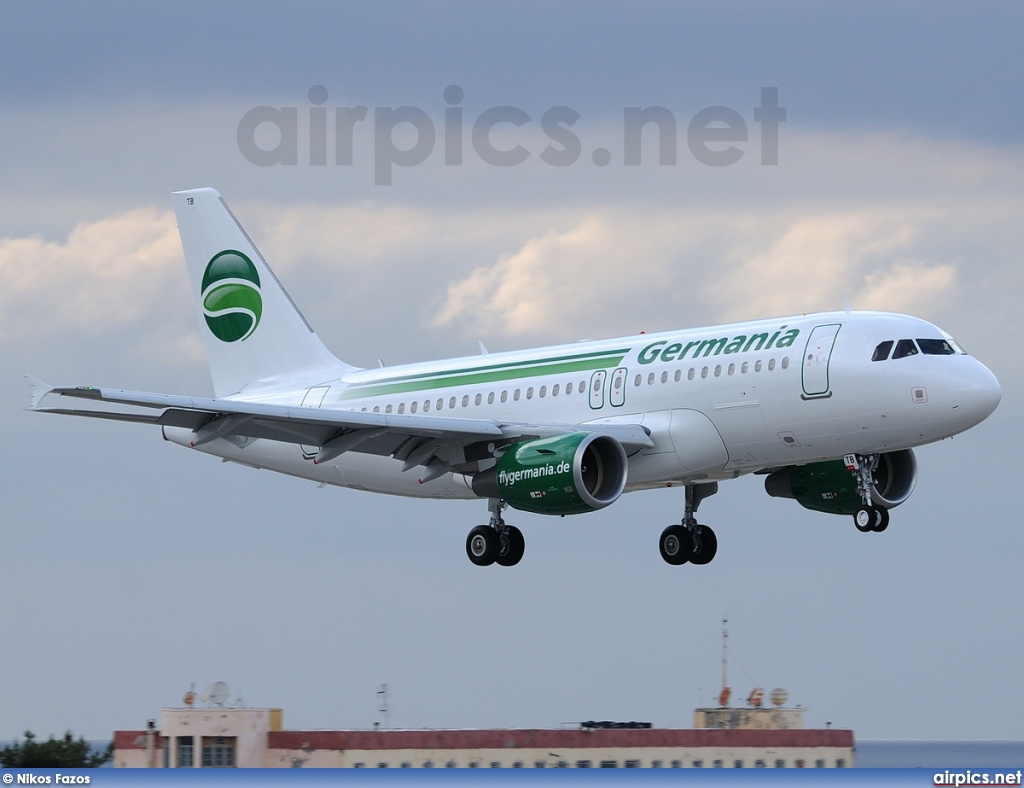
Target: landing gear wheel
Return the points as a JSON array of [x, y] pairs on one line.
[[482, 545], [511, 548], [864, 518], [881, 519], [676, 545], [708, 546]]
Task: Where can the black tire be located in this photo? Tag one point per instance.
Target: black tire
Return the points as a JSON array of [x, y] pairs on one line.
[[676, 545], [864, 518], [514, 546], [881, 519], [482, 545], [708, 547]]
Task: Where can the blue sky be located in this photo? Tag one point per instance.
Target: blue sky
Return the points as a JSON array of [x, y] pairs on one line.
[[130, 568]]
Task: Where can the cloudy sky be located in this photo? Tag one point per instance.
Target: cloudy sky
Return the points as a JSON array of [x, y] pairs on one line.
[[130, 568]]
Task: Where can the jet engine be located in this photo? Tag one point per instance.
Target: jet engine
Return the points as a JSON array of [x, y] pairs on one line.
[[564, 474], [830, 487]]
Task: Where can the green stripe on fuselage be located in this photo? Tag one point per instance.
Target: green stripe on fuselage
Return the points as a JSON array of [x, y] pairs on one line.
[[487, 374]]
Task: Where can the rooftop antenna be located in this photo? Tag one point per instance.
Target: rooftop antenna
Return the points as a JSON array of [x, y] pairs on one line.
[[723, 699], [384, 710]]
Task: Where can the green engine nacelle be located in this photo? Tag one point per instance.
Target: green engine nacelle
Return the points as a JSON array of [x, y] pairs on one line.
[[566, 474], [829, 487]]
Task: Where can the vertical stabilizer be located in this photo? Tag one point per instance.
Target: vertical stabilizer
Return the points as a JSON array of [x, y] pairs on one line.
[[253, 332]]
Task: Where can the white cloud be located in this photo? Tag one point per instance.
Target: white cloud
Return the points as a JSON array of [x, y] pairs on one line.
[[561, 279], [107, 274]]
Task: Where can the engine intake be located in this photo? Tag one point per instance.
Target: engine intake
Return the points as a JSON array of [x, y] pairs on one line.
[[565, 474]]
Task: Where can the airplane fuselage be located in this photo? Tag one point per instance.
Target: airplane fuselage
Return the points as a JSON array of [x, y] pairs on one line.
[[717, 402]]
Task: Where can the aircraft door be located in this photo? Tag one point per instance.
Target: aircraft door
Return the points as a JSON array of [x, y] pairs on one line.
[[617, 392], [818, 353], [597, 389], [313, 398]]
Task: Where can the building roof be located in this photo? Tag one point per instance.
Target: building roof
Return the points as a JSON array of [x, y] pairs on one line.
[[134, 740]]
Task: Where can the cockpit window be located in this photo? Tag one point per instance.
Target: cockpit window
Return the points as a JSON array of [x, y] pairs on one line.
[[882, 351], [936, 347], [904, 348]]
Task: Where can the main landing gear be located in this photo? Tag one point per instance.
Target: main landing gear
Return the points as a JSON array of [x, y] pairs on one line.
[[496, 542], [868, 517], [690, 541]]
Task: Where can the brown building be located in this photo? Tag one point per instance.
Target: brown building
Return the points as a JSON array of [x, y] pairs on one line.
[[223, 737]]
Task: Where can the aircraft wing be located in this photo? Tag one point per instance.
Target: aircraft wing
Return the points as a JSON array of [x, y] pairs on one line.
[[441, 443]]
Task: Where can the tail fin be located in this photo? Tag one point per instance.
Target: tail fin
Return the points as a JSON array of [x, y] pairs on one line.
[[253, 332]]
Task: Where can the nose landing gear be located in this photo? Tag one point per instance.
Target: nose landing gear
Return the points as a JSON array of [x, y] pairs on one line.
[[867, 517]]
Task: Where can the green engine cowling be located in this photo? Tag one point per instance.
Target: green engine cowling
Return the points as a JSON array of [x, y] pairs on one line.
[[829, 487], [567, 474]]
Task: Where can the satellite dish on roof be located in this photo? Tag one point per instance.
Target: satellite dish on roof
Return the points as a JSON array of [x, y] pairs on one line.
[[220, 693], [216, 693], [779, 696]]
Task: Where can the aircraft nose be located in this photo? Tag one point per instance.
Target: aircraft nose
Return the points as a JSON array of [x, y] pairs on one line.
[[974, 390]]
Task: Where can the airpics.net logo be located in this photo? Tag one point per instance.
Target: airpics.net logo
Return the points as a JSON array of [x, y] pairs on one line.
[[232, 304], [500, 136]]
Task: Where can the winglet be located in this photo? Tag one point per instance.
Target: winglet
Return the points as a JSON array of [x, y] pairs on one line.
[[39, 390]]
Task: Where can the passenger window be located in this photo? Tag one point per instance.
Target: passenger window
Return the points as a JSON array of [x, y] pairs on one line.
[[544, 389], [904, 348], [504, 396], [451, 403], [465, 400], [529, 392], [664, 376], [679, 375], [490, 398], [515, 395], [771, 364], [440, 405], [882, 351], [554, 390], [387, 409], [636, 380], [412, 407], [401, 407], [757, 366], [690, 374], [476, 399], [650, 379], [426, 406]]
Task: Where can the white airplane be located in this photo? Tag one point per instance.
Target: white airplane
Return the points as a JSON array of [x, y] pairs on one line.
[[827, 406]]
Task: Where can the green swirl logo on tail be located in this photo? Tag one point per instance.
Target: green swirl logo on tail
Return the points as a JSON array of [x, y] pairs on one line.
[[232, 304]]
